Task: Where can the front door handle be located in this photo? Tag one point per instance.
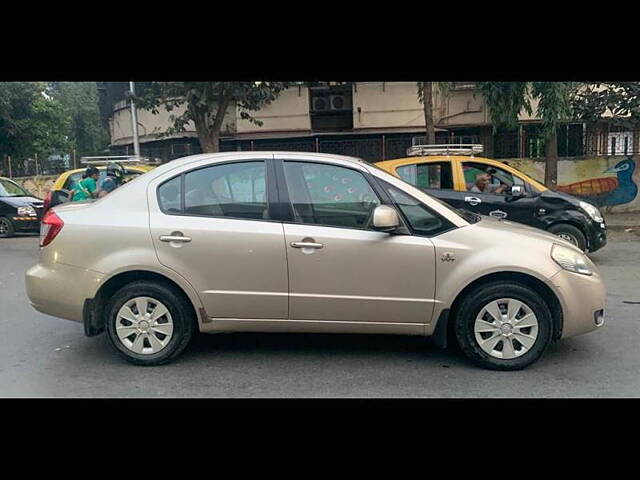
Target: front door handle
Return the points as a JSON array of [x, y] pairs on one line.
[[174, 238], [472, 200], [306, 245]]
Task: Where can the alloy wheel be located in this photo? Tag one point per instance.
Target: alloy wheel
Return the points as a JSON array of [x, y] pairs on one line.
[[144, 325], [4, 228], [506, 328]]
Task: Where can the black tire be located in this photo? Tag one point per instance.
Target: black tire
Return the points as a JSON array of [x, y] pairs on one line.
[[574, 233], [476, 299], [184, 321], [6, 228]]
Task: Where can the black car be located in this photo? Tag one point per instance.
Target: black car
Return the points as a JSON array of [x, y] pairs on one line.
[[510, 195], [20, 212]]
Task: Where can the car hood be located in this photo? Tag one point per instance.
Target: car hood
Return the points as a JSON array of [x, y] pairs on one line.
[[498, 225], [21, 201]]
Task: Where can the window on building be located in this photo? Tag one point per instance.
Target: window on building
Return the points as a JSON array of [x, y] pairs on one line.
[[570, 140], [620, 143], [505, 143]]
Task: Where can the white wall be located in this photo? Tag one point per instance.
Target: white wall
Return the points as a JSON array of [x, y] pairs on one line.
[[149, 125], [288, 112]]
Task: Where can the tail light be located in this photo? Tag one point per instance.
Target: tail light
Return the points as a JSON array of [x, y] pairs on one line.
[[47, 202], [50, 227]]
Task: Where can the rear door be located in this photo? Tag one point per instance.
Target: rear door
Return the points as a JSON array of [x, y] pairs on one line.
[[436, 178], [215, 226]]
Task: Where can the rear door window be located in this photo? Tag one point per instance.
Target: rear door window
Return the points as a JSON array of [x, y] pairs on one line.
[[427, 175], [235, 190]]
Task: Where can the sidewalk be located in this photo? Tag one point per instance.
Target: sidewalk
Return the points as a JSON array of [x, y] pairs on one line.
[[621, 221]]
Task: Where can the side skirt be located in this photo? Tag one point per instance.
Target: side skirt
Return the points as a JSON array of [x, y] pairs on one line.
[[310, 326]]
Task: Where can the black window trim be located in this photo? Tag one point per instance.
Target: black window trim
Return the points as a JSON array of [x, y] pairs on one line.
[[270, 185], [285, 202], [447, 225]]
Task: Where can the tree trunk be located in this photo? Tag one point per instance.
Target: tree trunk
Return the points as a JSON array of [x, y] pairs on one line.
[[209, 139], [551, 167], [427, 91]]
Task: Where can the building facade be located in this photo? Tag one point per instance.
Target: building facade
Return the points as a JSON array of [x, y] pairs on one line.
[[371, 120]]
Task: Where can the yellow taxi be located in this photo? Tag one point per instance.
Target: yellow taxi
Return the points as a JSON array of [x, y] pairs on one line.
[[453, 174], [67, 180]]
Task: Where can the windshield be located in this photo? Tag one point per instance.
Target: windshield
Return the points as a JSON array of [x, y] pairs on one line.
[[11, 189]]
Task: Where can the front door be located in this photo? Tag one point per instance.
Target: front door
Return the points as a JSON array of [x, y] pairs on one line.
[[214, 226], [340, 268], [495, 201]]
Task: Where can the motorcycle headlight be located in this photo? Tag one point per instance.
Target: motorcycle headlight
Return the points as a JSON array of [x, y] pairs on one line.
[[30, 211], [592, 211], [570, 260]]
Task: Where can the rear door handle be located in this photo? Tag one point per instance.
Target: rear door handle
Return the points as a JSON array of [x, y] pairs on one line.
[[306, 245], [174, 238], [472, 200]]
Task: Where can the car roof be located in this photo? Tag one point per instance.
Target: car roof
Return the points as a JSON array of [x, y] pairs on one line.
[[226, 156]]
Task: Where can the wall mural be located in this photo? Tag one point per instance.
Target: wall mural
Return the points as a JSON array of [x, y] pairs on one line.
[[606, 182], [607, 191]]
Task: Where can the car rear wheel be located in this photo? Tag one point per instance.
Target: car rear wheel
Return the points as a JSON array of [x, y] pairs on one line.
[[503, 326], [149, 323], [6, 228], [571, 234]]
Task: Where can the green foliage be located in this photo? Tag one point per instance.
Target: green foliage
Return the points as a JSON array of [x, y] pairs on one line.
[[41, 119], [79, 101], [619, 99], [207, 102], [506, 100]]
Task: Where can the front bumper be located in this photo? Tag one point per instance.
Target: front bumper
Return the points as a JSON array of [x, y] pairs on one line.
[[24, 224], [582, 297], [597, 233], [61, 290]]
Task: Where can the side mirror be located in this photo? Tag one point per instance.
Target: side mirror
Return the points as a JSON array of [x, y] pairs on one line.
[[385, 218], [517, 191]]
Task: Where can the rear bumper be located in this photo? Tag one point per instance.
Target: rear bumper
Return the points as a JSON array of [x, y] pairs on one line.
[[61, 290], [582, 297]]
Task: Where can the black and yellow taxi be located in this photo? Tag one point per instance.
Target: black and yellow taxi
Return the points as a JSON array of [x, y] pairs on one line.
[[451, 173]]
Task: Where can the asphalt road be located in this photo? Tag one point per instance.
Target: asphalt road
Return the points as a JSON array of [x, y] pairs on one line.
[[41, 356]]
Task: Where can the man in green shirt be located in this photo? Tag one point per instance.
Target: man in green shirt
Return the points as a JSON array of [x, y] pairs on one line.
[[86, 188]]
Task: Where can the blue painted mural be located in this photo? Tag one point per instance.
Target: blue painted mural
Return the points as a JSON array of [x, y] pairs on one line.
[[607, 191]]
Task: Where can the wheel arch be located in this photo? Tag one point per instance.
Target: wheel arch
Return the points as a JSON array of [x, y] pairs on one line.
[[93, 310], [443, 331], [574, 223]]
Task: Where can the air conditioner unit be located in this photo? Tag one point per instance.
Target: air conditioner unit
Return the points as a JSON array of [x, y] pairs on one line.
[[320, 104], [339, 102]]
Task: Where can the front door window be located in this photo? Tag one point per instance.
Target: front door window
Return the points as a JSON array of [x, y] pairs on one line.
[[483, 178], [330, 195]]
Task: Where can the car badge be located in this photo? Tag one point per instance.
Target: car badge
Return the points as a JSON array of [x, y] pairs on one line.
[[448, 257]]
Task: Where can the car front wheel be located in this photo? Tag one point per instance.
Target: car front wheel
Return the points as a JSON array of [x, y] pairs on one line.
[[571, 234], [6, 228], [503, 326], [149, 323]]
